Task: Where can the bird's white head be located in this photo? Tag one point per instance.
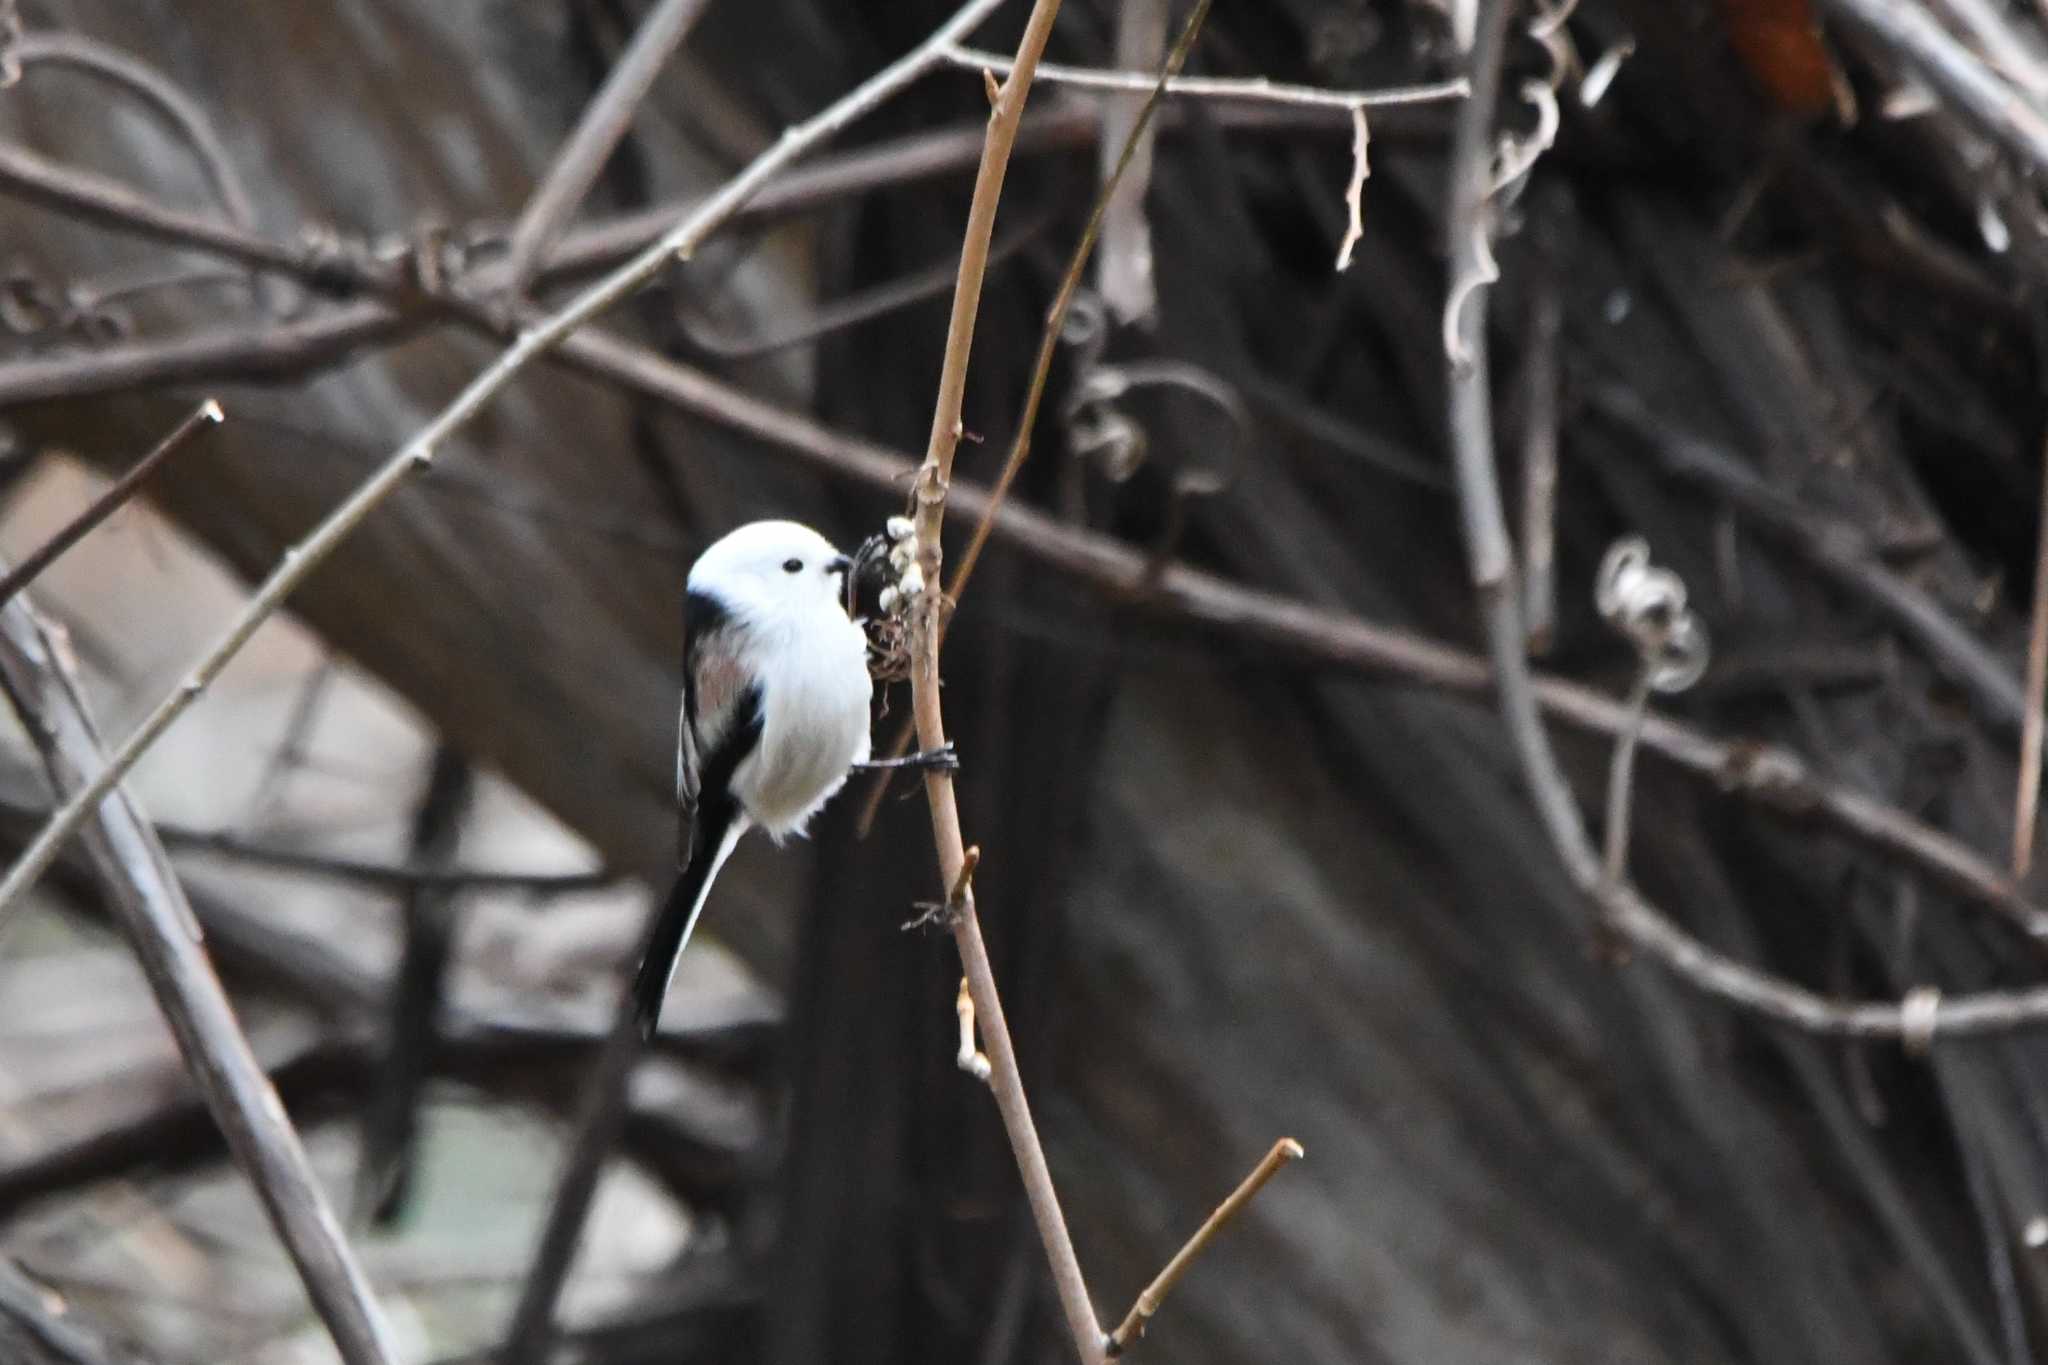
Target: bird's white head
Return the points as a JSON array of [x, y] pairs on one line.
[[773, 569]]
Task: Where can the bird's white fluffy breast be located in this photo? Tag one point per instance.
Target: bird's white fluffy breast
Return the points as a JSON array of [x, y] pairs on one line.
[[815, 692]]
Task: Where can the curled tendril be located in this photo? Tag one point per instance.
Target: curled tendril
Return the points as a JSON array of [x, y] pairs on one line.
[[1648, 605], [1516, 155], [1111, 438], [1086, 327], [1098, 429], [1097, 426]]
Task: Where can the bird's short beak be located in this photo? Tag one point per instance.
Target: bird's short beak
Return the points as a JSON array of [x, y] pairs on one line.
[[838, 564]]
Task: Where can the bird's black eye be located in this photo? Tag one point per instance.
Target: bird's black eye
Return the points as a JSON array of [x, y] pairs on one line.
[[792, 566]]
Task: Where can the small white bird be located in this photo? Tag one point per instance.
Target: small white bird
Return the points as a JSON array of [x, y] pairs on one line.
[[775, 713]]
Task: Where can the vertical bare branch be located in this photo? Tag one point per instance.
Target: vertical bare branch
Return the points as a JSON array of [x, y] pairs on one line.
[[604, 122], [2028, 800], [1539, 461], [43, 688], [1005, 1080], [1621, 780], [107, 503], [1471, 429], [384, 1176]]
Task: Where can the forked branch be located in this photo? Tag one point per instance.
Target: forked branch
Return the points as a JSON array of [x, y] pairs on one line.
[[928, 620]]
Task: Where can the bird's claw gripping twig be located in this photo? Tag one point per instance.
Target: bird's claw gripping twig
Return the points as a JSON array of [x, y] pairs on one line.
[[945, 758]]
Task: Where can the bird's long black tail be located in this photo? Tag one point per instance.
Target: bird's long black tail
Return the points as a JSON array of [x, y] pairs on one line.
[[714, 839]]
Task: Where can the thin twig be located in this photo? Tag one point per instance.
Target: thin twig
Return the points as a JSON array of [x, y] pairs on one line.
[[237, 352], [292, 749], [1257, 89], [1148, 1302], [2028, 799], [179, 109], [418, 453], [861, 306], [391, 1118], [107, 503], [41, 684], [364, 872], [1005, 1080], [1621, 779], [922, 156], [604, 122], [1539, 460]]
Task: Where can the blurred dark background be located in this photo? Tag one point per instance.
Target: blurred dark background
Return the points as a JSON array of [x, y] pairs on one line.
[[1231, 893]]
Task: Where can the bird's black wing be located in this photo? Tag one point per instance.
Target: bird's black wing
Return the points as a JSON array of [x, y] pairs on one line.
[[719, 727], [721, 702]]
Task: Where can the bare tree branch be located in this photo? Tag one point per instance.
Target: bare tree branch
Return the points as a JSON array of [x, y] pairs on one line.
[[250, 352], [2027, 800], [106, 504], [365, 872], [1005, 1080], [604, 122], [1539, 459], [110, 64], [166, 938], [1256, 89], [1154, 1294]]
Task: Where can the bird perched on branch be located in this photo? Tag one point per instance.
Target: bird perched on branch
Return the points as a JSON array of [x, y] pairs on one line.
[[774, 714], [775, 711]]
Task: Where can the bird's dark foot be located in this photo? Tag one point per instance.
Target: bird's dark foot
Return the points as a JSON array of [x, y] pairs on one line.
[[942, 759]]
